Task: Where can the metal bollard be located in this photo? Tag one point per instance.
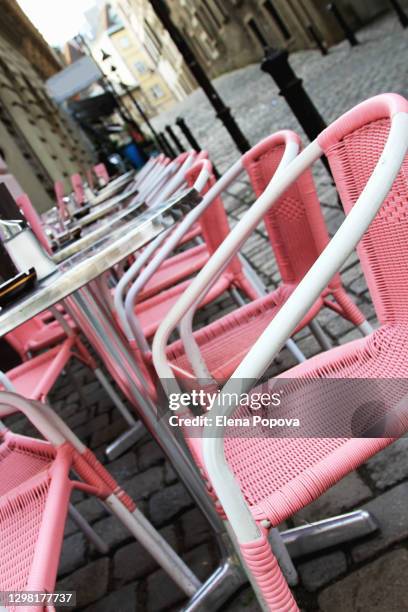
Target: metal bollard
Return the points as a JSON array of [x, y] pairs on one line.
[[192, 140], [187, 133], [222, 111], [276, 64], [174, 139], [170, 152], [160, 144], [400, 13], [348, 33], [316, 37]]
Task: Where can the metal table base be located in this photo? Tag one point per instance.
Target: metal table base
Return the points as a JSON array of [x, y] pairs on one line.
[[229, 576]]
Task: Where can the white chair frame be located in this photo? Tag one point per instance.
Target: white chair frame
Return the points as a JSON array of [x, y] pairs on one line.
[[271, 340]]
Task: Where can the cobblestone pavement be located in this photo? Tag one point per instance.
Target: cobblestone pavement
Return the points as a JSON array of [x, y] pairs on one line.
[[364, 575]]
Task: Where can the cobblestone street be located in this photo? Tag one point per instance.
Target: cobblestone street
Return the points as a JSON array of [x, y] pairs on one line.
[[341, 580]]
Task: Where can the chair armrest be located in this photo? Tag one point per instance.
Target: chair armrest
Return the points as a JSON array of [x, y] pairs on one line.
[[172, 242], [38, 414], [226, 251]]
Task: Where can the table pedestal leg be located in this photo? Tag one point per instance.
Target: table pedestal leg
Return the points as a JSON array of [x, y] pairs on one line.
[[100, 332]]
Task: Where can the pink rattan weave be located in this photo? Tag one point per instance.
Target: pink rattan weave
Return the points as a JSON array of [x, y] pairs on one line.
[[294, 471], [21, 514], [385, 244], [280, 476], [298, 234]]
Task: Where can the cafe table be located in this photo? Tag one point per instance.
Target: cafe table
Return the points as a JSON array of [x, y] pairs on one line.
[[74, 284], [92, 234], [102, 210], [112, 188]]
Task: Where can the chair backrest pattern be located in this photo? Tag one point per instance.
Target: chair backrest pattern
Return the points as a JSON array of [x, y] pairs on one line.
[[214, 221], [383, 251], [295, 224]]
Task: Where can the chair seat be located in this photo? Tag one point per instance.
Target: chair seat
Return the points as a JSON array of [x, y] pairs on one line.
[[34, 378], [151, 312], [281, 475], [50, 335], [176, 268], [225, 342]]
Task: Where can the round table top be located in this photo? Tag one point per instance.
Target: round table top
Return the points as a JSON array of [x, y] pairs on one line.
[[126, 235]]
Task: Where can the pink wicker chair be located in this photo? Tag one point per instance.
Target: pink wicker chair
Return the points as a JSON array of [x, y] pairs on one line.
[[213, 227], [33, 218], [35, 488], [298, 234], [36, 335], [35, 377], [101, 173], [260, 481], [59, 195], [78, 189]]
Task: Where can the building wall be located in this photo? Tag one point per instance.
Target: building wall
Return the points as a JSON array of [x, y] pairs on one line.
[[40, 146], [163, 55], [152, 92], [38, 142], [229, 34]]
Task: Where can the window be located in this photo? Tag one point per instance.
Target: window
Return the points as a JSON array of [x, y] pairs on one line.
[[210, 15], [124, 42], [141, 67], [206, 25], [253, 26], [152, 42], [156, 92], [217, 10], [274, 14]]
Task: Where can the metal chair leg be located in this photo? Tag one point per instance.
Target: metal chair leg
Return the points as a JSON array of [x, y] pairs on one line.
[[328, 532], [87, 530], [320, 335], [127, 415]]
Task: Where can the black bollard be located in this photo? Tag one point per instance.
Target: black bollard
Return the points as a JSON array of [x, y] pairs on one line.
[[160, 144], [317, 39], [290, 86], [140, 110], [192, 141], [174, 139], [348, 33], [222, 111], [276, 64], [400, 13], [187, 133], [170, 152]]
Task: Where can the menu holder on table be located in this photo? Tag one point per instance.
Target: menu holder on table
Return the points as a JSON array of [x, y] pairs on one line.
[[15, 287]]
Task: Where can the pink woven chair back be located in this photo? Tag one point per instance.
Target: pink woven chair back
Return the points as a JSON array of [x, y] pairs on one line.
[[59, 194], [35, 492], [101, 172], [90, 178], [78, 187], [33, 218], [384, 249], [214, 222], [295, 224]]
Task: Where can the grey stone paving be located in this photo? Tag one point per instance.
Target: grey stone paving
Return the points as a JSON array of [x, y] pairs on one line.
[[364, 575]]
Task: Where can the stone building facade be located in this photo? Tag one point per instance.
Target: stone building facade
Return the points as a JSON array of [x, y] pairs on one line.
[[140, 18], [132, 64], [229, 34], [38, 141]]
